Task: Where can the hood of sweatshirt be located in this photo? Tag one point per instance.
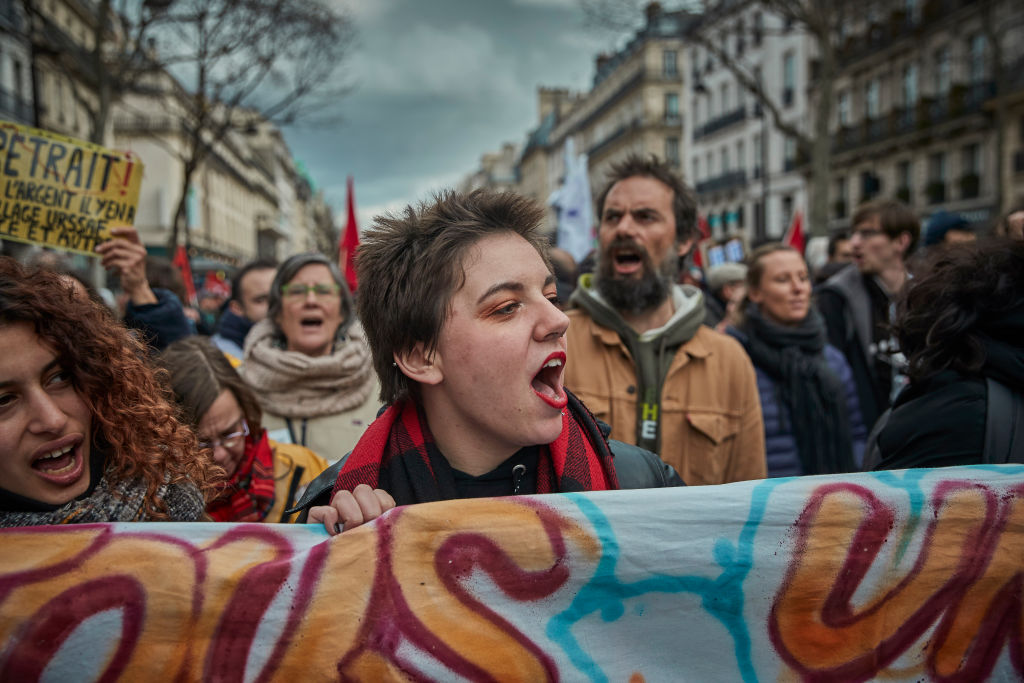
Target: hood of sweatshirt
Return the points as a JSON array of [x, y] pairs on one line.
[[687, 300]]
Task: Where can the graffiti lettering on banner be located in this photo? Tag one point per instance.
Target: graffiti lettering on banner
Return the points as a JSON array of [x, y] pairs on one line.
[[63, 193]]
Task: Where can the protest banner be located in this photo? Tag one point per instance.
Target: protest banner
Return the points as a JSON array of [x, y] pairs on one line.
[[64, 193], [900, 576]]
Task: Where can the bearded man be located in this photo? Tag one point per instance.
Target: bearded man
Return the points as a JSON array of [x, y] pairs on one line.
[[641, 359]]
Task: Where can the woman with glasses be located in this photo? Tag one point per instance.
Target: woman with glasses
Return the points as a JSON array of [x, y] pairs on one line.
[[308, 361], [85, 433], [264, 478]]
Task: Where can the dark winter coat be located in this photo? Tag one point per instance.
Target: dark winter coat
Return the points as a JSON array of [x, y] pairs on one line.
[[160, 324], [635, 467], [937, 422], [780, 441], [845, 304]]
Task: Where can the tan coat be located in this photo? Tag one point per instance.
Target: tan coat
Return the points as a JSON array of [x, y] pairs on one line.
[[711, 427], [330, 436]]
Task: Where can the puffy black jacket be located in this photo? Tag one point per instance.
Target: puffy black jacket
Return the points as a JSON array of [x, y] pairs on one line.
[[636, 468]]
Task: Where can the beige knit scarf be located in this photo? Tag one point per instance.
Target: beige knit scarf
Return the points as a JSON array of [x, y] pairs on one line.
[[293, 385]]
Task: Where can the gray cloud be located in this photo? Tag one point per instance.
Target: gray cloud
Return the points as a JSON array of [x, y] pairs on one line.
[[436, 85]]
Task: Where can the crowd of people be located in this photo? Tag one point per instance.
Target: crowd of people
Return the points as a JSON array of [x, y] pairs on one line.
[[475, 361]]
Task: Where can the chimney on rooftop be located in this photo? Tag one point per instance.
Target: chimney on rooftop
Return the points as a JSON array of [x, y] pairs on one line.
[[653, 11], [601, 60]]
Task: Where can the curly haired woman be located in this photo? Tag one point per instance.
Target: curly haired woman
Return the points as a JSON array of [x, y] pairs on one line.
[[85, 433]]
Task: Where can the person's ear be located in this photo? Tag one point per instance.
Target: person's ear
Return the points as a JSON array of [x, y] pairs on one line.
[[683, 248], [903, 240], [418, 366], [235, 307]]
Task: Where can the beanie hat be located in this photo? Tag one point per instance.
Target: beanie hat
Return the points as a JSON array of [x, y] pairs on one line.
[[940, 223], [724, 273]]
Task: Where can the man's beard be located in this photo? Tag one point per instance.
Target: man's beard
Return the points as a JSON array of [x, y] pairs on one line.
[[636, 296]]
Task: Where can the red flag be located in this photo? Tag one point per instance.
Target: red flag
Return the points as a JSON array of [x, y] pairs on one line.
[[795, 237], [215, 284], [705, 233], [181, 262], [349, 241]]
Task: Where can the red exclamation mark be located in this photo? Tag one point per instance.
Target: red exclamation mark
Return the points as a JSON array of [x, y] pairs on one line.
[[129, 164]]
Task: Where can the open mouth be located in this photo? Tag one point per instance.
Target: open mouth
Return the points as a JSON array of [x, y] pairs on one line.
[[547, 383], [627, 259], [626, 256], [62, 464], [311, 323]]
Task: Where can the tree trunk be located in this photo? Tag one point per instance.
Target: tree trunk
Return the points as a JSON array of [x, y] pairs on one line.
[[821, 142]]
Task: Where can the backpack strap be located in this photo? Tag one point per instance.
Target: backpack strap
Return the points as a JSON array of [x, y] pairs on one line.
[[1004, 424]]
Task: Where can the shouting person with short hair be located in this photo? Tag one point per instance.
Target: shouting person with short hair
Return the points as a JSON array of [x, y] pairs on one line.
[[459, 304]]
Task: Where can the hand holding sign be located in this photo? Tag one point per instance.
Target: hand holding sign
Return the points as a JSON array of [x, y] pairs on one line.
[[125, 256]]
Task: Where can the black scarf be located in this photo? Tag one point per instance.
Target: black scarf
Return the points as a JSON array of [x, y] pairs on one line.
[[794, 357]]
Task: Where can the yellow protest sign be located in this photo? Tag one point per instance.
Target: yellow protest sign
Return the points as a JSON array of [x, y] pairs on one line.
[[61, 192]]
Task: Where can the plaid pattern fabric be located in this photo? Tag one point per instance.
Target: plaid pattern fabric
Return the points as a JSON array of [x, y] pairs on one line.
[[397, 453], [249, 495]]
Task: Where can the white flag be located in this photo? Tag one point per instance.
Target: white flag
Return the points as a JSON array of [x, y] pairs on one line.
[[575, 206]]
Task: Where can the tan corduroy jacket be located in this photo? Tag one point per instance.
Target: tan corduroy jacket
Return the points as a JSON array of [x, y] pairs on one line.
[[711, 427]]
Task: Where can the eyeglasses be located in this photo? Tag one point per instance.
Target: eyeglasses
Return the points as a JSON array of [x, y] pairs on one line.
[[228, 440], [298, 290], [867, 233]]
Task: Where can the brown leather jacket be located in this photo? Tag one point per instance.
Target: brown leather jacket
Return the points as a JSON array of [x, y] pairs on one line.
[[711, 427]]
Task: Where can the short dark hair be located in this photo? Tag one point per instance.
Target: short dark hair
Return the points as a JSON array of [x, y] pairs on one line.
[[410, 266], [895, 218], [684, 201], [289, 269], [957, 298], [236, 280], [160, 272], [199, 373], [834, 240]]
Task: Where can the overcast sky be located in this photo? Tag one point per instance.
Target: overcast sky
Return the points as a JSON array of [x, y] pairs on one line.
[[437, 83]]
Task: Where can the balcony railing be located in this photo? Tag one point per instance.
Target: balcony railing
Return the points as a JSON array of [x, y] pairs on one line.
[[898, 26], [726, 181], [961, 100], [724, 121]]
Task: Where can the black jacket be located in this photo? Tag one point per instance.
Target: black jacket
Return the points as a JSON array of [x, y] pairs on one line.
[[941, 420], [636, 468], [936, 422], [845, 304]]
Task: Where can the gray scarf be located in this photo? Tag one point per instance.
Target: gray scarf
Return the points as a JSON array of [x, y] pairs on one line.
[[122, 502], [292, 384]]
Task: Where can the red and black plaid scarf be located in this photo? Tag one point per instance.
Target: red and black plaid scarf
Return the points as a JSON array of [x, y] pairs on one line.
[[249, 495], [397, 453]]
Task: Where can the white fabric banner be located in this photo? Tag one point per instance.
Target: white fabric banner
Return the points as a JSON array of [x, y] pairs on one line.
[[575, 206], [906, 576]]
